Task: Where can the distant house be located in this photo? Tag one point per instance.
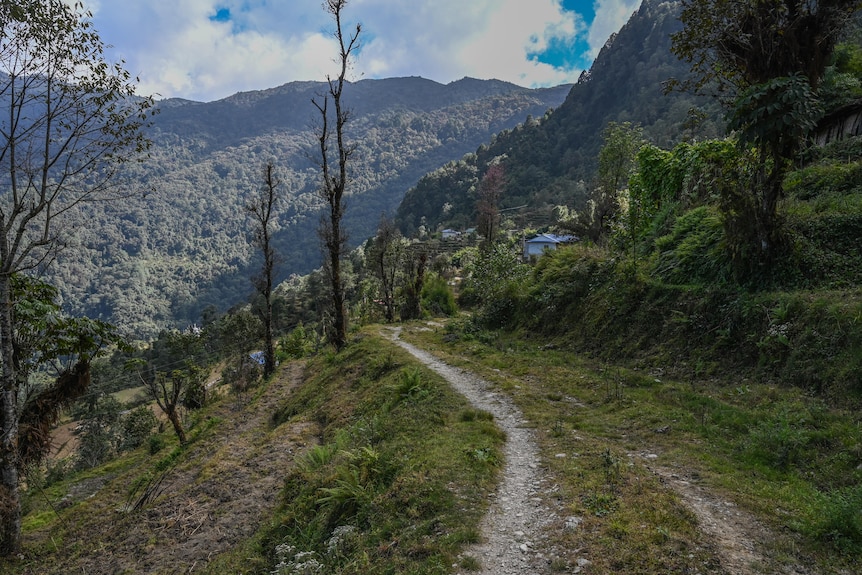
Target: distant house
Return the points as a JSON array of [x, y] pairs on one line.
[[544, 242], [448, 234]]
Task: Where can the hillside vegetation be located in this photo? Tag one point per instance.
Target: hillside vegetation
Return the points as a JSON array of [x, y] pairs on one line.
[[551, 159], [690, 380], [179, 242]]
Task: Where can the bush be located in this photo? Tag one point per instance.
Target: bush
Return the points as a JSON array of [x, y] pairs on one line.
[[156, 444], [137, 426], [297, 344], [838, 519], [693, 252], [825, 178], [437, 297]]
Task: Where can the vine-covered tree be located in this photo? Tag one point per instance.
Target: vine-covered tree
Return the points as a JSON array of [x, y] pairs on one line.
[[766, 59], [262, 210], [68, 120], [334, 171]]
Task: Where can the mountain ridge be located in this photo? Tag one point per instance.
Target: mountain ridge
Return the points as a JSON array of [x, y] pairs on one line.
[[157, 260]]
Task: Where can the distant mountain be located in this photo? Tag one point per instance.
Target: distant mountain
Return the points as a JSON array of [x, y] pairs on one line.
[[159, 258], [550, 160]]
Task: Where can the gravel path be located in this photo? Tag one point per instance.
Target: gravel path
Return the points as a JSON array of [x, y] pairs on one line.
[[513, 528]]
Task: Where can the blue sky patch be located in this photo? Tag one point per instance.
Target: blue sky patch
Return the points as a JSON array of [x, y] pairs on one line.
[[221, 15], [569, 53], [564, 54]]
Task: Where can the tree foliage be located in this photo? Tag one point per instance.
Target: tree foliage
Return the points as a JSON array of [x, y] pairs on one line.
[[68, 121], [766, 59]]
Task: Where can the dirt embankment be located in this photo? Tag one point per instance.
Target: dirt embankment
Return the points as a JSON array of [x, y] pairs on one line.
[[217, 497]]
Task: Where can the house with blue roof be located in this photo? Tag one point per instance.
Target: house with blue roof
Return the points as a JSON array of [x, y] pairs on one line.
[[543, 242]]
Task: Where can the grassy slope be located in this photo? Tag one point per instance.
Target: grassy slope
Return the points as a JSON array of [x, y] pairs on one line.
[[402, 465], [785, 457], [383, 449]]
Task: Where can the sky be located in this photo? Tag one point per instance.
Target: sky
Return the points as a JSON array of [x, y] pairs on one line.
[[205, 50]]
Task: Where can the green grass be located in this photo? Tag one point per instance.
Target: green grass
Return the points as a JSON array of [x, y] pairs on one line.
[[402, 467], [788, 458]]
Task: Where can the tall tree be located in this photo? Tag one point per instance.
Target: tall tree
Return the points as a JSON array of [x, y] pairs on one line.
[[385, 257], [262, 210], [488, 203], [68, 120], [766, 59], [334, 171], [616, 162]]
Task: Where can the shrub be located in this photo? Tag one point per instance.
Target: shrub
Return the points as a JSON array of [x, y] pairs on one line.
[[137, 426], [437, 297], [156, 444]]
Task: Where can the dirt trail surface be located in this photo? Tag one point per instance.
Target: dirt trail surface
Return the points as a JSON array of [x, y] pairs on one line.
[[513, 527], [737, 534], [211, 502]]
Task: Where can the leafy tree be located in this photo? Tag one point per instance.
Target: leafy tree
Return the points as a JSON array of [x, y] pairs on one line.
[[262, 210], [616, 165], [67, 122], [232, 337], [50, 343], [334, 171], [169, 387], [766, 59], [98, 435]]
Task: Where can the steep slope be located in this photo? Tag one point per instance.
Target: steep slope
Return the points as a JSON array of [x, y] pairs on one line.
[[550, 160], [158, 258]]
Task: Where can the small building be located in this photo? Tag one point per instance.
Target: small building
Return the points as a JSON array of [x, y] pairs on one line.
[[543, 242], [448, 234], [845, 122]]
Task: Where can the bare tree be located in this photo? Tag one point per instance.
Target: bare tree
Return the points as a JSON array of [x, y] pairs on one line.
[[334, 171], [488, 204], [385, 257], [68, 120], [262, 210]]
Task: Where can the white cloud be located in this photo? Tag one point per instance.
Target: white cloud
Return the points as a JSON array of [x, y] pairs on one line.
[[449, 39], [177, 49]]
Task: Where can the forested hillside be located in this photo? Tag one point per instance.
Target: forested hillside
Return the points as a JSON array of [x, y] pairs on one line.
[[178, 243], [551, 159]]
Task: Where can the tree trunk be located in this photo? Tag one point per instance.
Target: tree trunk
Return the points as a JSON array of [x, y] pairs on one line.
[[269, 344], [174, 417], [339, 337], [10, 502]]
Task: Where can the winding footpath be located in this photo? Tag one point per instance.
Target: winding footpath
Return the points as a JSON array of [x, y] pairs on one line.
[[512, 529]]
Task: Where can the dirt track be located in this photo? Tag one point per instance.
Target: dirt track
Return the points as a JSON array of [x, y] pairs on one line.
[[514, 527]]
